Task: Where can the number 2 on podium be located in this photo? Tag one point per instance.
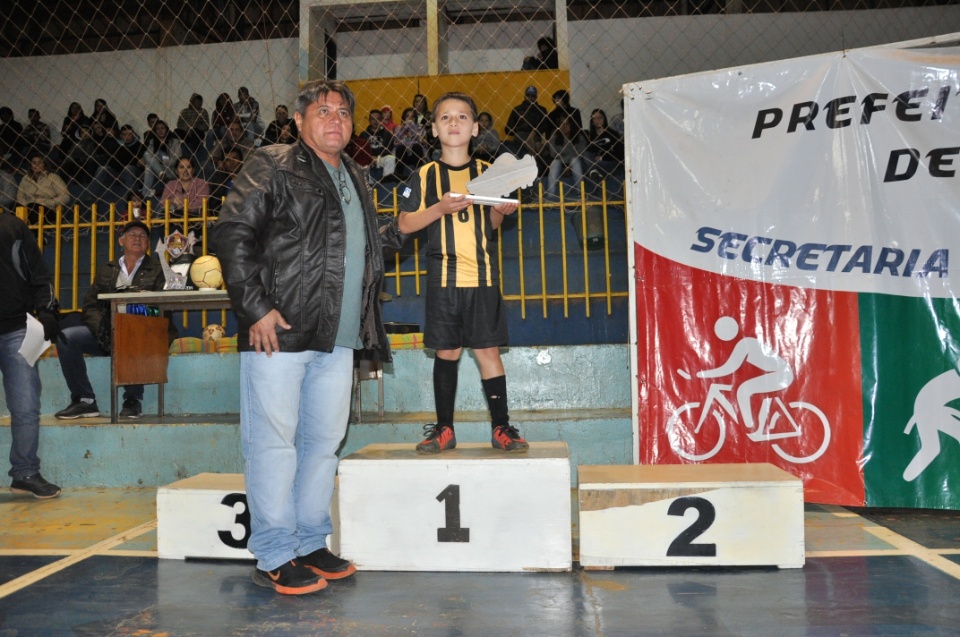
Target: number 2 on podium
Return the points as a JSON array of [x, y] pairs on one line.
[[451, 531]]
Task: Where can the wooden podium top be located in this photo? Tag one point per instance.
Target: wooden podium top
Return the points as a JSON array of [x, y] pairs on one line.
[[615, 476], [463, 451]]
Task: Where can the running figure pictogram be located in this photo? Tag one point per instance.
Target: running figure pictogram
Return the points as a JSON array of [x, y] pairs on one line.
[[931, 415]]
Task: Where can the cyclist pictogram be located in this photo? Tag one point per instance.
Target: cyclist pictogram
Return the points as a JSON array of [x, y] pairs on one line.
[[799, 432]]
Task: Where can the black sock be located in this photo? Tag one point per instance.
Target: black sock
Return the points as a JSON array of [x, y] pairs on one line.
[[445, 389], [495, 389]]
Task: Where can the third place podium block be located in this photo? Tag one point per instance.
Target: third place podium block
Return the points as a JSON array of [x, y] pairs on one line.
[[473, 508], [690, 515]]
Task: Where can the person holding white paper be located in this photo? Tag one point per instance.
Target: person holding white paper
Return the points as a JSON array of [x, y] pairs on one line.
[[27, 289]]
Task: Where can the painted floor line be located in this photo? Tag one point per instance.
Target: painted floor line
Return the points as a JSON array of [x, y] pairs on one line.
[[36, 552], [859, 553], [35, 576], [922, 553]]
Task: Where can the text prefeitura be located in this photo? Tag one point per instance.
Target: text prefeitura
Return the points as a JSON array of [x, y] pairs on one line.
[[844, 111]]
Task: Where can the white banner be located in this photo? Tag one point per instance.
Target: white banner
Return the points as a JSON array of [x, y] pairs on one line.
[[835, 172]]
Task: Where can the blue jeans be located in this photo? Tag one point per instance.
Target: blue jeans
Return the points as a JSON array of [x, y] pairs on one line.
[[21, 386], [72, 344], [293, 416]]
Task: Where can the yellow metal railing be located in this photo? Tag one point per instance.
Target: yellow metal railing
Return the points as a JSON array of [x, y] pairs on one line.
[[87, 226]]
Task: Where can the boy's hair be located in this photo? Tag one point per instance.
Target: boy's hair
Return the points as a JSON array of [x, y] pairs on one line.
[[453, 95]]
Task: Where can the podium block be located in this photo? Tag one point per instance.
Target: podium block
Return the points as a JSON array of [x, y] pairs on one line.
[[206, 516], [690, 515], [470, 509]]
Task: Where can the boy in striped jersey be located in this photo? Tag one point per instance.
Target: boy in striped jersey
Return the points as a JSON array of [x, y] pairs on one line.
[[464, 307]]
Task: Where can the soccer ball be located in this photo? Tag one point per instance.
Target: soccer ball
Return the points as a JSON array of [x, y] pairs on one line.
[[205, 272], [213, 332]]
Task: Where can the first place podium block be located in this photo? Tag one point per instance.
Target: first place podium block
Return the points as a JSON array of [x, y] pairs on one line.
[[473, 508], [690, 515]]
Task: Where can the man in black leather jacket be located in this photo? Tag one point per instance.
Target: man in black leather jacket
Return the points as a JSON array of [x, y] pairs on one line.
[[300, 244]]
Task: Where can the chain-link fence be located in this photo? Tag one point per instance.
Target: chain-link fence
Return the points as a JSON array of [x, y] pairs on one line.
[[76, 73]]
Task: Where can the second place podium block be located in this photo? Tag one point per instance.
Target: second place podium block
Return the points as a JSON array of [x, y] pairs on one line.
[[470, 509]]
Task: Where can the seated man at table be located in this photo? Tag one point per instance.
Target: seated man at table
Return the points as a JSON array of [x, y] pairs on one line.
[[134, 270]]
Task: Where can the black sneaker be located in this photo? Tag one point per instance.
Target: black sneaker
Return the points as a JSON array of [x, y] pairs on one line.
[[79, 409], [291, 578], [327, 565], [507, 438], [131, 409], [36, 486], [438, 438]]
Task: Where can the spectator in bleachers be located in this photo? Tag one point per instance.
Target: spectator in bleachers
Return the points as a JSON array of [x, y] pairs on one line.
[[486, 145], [223, 114], [248, 111], [148, 134], [359, 151], [42, 188], [8, 186], [133, 270], [604, 149], [11, 137], [103, 114], [546, 57], [381, 144], [160, 158], [282, 130], [222, 180], [566, 148], [424, 118], [616, 122], [186, 187], [193, 124], [73, 122], [136, 207], [127, 163], [561, 111], [408, 143], [36, 134], [234, 139], [92, 153], [388, 122], [527, 124]]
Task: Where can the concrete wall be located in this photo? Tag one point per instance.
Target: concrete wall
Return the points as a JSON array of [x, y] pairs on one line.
[[558, 378], [579, 395]]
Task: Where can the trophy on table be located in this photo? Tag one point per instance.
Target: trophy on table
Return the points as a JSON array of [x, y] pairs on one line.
[[176, 255]]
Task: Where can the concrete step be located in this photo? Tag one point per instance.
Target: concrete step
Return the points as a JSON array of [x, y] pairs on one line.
[[156, 451]]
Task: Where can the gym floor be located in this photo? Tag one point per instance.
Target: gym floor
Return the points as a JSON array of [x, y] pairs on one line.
[[86, 564]]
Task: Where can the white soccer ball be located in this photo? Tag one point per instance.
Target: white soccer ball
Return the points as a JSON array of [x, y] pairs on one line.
[[213, 332], [206, 273]]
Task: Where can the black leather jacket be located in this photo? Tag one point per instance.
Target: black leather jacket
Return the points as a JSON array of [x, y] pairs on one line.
[[280, 240]]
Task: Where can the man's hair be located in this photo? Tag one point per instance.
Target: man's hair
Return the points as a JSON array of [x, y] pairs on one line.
[[453, 95], [127, 127], [312, 91]]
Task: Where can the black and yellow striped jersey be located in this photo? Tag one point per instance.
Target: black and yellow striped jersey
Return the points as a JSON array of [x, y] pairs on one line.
[[462, 247]]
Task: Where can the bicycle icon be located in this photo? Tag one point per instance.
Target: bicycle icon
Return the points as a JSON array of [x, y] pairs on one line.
[[793, 429]]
